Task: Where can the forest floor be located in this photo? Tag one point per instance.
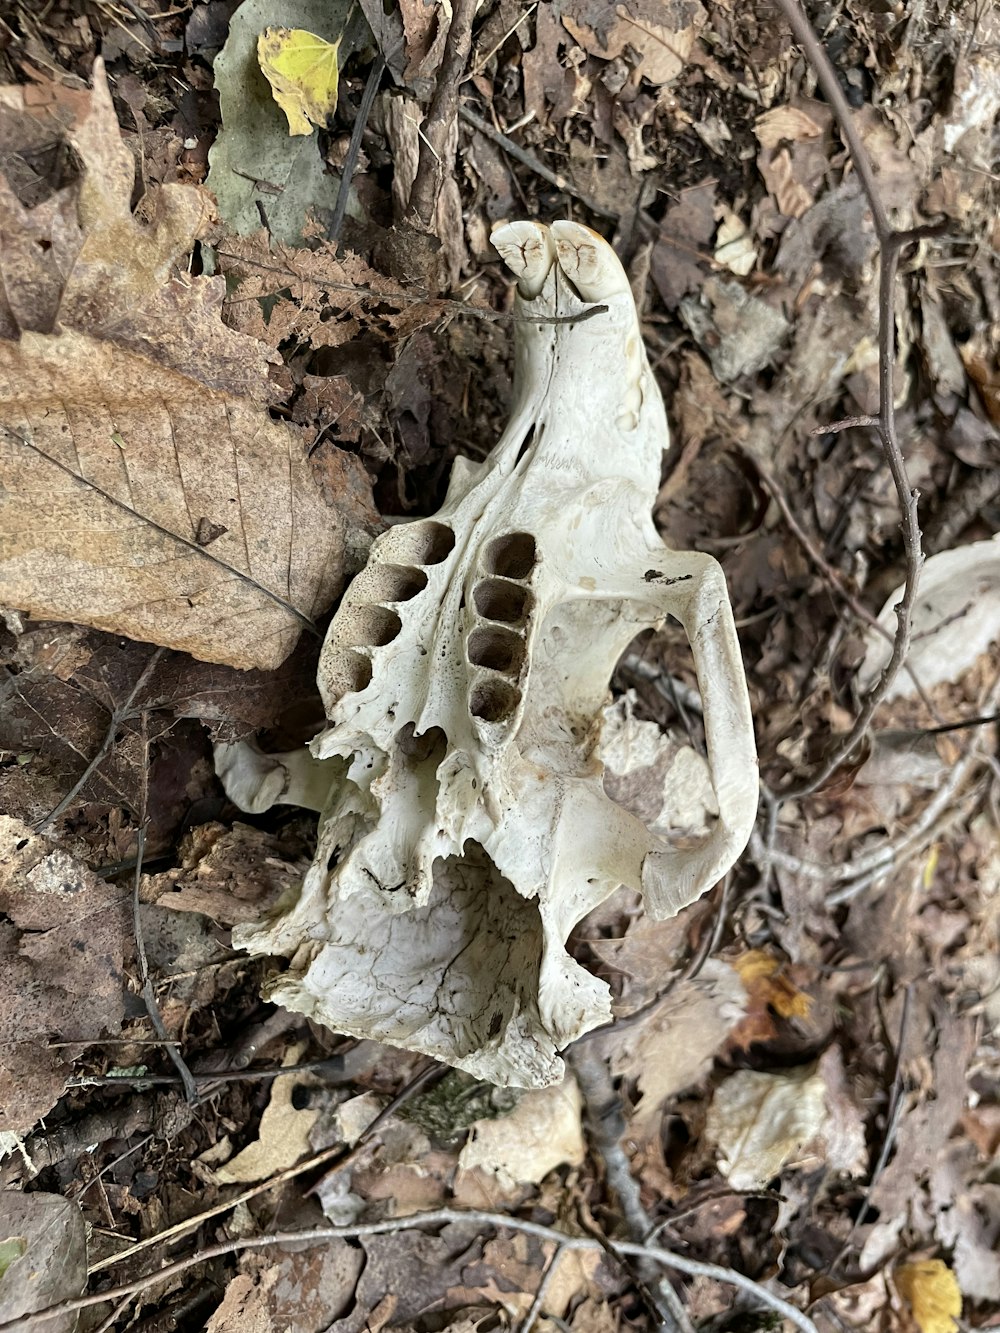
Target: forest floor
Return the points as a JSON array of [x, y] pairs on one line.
[[799, 1125]]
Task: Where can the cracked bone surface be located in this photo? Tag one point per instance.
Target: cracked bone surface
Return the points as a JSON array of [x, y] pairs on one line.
[[465, 828]]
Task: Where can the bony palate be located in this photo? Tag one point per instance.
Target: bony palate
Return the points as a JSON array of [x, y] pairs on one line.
[[465, 828]]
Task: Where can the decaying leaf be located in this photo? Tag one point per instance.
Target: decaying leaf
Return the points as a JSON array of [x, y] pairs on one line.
[[254, 164], [45, 1241], [62, 958], [672, 1048], [283, 1135], [304, 75], [135, 422], [313, 296], [761, 1122], [661, 35], [296, 1290], [542, 1132], [931, 1290], [955, 620], [230, 875]]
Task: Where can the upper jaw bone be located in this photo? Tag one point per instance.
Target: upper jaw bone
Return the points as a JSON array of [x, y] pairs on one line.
[[527, 250]]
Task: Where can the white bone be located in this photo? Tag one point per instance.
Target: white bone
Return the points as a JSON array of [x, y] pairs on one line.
[[466, 828]]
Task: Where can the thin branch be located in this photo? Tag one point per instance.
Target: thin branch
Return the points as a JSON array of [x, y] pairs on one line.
[[354, 147], [146, 984], [415, 296], [829, 573], [435, 1217], [533, 164], [890, 243], [336, 1158], [528, 1322], [442, 113], [606, 1126]]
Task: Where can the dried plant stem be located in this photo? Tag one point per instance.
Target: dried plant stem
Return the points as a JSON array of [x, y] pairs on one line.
[[436, 1217], [336, 1158], [830, 574], [442, 114], [856, 875], [530, 161], [606, 1125], [890, 242]]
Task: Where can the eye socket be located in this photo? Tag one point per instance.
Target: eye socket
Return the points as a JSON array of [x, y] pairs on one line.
[[494, 700], [496, 599], [512, 556], [497, 649]]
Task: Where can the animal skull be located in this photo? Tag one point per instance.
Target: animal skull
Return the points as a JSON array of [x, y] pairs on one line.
[[465, 827]]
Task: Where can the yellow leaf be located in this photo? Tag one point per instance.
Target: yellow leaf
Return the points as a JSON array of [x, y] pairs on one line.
[[931, 1290], [302, 71]]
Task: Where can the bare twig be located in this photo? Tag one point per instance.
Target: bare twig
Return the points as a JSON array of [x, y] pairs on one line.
[[436, 1217], [339, 1156], [146, 984], [147, 991], [606, 1124], [829, 573], [533, 164], [354, 148], [441, 116], [414, 296], [528, 1322], [893, 1118], [890, 242]]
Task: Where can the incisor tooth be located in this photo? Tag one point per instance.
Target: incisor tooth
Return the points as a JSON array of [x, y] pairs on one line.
[[527, 250], [588, 261]]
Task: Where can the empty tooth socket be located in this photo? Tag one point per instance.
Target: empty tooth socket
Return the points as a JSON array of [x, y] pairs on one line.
[[368, 626], [426, 542], [493, 700], [511, 556], [498, 599], [380, 582], [347, 673], [496, 649]]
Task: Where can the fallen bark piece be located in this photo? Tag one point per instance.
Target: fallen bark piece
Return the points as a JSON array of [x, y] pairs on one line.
[[465, 826], [144, 489]]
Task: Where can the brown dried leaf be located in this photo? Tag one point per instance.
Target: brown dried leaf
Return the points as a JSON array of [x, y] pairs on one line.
[[661, 34], [673, 1046], [542, 1132], [279, 293], [145, 489], [62, 973], [51, 1256], [114, 461]]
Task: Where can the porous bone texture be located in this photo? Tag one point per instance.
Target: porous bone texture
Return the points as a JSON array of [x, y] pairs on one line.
[[465, 828]]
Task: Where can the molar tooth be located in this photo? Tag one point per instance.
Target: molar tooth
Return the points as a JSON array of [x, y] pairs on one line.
[[527, 250], [588, 261]]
